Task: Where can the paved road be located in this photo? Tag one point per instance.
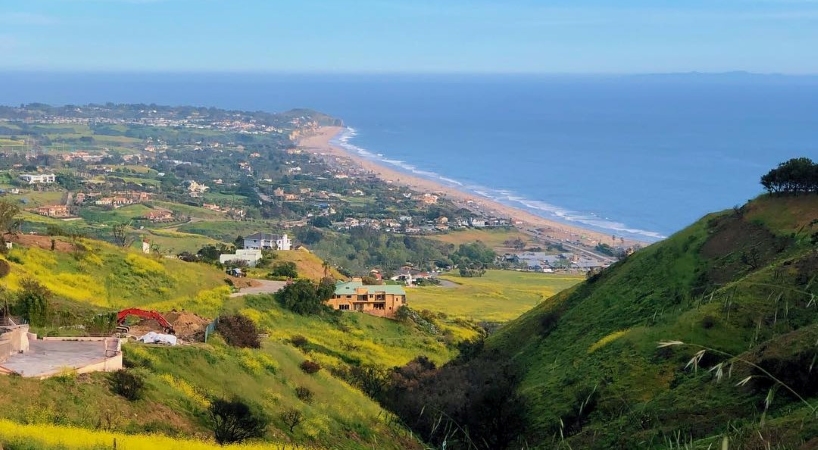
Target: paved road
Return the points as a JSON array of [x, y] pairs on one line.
[[265, 287]]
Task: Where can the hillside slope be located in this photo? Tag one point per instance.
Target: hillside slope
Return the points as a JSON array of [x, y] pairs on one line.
[[738, 285], [88, 277]]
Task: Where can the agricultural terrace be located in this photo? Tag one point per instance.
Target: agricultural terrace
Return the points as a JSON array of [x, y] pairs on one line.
[[498, 296]]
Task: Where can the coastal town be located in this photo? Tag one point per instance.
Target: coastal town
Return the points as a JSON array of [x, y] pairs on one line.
[[144, 166]]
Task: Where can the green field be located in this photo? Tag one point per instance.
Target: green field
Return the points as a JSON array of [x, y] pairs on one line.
[[499, 295], [493, 238]]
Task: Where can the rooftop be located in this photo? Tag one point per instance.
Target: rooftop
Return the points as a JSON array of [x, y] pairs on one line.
[[349, 287]]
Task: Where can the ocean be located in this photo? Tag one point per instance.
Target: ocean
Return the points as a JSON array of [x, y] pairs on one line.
[[634, 156]]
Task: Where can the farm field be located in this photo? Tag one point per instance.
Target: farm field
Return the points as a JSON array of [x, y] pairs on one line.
[[498, 296]]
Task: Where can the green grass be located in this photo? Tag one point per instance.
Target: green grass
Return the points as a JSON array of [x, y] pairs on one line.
[[100, 214], [226, 230], [589, 355], [499, 295], [173, 242], [192, 211], [493, 238]]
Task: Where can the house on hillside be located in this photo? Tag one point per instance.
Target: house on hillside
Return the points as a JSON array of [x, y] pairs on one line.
[[267, 241], [159, 215], [38, 178], [56, 211], [377, 300], [250, 256]]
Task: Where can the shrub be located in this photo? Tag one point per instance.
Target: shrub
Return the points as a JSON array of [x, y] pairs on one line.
[[127, 383], [708, 322], [234, 421], [310, 367], [304, 394], [284, 269], [239, 331], [299, 341], [5, 268]]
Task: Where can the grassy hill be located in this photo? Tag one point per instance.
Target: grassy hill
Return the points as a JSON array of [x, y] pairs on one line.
[[732, 297], [89, 277]]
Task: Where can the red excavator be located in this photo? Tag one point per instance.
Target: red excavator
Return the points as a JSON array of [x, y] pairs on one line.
[[122, 315]]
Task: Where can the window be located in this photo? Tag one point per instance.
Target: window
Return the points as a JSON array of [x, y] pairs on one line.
[[380, 306], [343, 307], [349, 296]]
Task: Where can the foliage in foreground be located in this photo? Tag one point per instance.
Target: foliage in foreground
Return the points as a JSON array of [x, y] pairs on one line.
[[35, 437], [234, 421]]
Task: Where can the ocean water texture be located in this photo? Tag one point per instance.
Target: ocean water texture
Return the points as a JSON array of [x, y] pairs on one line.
[[639, 156]]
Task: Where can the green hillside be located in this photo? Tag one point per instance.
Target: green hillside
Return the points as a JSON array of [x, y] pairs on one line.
[[88, 277], [737, 285]]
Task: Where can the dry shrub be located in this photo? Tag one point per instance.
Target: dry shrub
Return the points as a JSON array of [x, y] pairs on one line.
[[239, 331], [304, 394], [310, 367]]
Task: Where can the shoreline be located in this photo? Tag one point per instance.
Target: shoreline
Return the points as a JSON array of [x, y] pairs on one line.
[[319, 143]]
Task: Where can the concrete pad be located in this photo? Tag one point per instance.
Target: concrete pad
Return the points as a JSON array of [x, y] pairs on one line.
[[47, 358]]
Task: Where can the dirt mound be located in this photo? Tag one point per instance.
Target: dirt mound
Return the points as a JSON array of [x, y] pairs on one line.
[[242, 282], [188, 326], [44, 242]]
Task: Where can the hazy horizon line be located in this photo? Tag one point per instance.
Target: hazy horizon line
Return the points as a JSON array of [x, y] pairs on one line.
[[399, 73]]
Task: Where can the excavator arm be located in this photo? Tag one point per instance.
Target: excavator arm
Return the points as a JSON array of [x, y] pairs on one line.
[[122, 315]]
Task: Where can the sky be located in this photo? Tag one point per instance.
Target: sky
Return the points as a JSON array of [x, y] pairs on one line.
[[410, 36]]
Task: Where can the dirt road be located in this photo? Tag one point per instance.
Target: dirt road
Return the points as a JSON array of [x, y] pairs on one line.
[[263, 287]]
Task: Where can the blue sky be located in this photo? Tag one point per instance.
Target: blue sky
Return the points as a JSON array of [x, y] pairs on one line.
[[503, 36]]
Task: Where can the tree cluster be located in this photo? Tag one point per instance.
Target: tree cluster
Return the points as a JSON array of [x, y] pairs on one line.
[[306, 297], [798, 175]]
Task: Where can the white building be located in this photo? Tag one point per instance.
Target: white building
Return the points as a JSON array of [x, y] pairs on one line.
[[267, 241], [38, 178], [250, 256]]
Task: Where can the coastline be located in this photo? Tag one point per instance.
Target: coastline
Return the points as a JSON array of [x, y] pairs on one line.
[[320, 144]]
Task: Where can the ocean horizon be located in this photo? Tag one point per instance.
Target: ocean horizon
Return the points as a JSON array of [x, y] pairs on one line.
[[638, 156]]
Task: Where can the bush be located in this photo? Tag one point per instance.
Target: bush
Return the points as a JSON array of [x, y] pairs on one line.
[[127, 383], [299, 341], [239, 331], [5, 268], [234, 421], [304, 394], [310, 367], [284, 269]]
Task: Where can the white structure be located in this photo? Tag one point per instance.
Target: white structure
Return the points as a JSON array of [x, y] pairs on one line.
[[250, 256], [38, 178], [266, 241]]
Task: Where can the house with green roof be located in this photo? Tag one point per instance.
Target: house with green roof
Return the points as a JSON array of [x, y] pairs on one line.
[[378, 300]]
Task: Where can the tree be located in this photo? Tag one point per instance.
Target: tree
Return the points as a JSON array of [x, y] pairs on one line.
[[33, 301], [794, 176], [304, 297], [292, 417], [119, 231], [234, 421], [239, 242], [8, 220]]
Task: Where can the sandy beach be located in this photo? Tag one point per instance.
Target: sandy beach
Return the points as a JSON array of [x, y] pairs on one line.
[[319, 144]]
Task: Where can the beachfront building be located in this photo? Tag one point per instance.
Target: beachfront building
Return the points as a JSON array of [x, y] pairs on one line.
[[267, 241], [38, 178], [377, 300]]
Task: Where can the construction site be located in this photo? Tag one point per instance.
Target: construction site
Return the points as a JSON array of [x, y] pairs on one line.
[[25, 354]]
